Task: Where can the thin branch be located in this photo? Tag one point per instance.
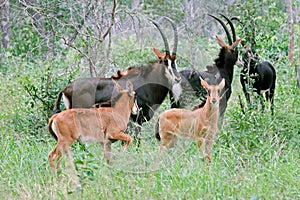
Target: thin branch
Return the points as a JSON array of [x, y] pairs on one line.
[[3, 3], [112, 21], [81, 24], [72, 46], [40, 11]]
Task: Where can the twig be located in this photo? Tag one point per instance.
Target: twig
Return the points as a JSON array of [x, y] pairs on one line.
[[112, 21]]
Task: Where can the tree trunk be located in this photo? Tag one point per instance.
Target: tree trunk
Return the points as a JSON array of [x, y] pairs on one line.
[[4, 25], [291, 31]]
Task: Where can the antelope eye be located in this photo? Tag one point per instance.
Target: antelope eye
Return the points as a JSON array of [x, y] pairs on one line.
[[209, 91]]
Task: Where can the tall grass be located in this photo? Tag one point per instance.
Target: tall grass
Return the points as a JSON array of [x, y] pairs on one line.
[[256, 156]]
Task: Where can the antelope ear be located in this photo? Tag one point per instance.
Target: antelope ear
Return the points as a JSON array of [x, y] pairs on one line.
[[118, 76], [204, 83], [221, 42], [222, 84], [159, 54], [117, 85], [235, 43]]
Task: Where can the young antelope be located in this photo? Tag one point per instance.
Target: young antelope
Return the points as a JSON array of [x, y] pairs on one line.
[[199, 125]]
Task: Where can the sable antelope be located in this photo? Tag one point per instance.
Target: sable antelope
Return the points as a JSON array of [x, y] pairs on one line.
[[222, 68], [256, 74], [103, 125], [192, 87], [199, 125], [152, 82], [259, 75]]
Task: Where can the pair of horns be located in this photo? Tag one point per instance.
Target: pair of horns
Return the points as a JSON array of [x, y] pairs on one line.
[[167, 49], [230, 41], [252, 36]]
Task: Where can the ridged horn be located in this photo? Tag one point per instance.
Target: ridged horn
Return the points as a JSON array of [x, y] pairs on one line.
[[231, 26], [225, 28], [163, 37], [175, 35], [243, 25]]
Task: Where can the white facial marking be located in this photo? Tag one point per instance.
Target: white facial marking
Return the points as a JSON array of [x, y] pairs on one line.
[[171, 70], [177, 90], [169, 64]]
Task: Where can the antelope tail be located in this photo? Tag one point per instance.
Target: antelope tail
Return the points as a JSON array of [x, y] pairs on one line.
[[52, 133], [156, 130], [57, 103]]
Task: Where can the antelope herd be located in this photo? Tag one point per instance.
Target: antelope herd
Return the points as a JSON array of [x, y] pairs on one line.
[[100, 109]]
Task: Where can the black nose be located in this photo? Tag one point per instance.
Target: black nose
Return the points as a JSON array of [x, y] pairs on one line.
[[214, 100]]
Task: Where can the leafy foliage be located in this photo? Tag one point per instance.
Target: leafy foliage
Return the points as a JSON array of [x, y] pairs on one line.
[[40, 90], [255, 155], [259, 28]]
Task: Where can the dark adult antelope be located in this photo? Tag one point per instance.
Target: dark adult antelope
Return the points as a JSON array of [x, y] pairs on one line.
[[222, 68], [103, 125], [152, 82], [199, 125], [259, 75], [256, 75]]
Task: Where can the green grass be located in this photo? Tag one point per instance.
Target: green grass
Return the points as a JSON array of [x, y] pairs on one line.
[[256, 156], [26, 175]]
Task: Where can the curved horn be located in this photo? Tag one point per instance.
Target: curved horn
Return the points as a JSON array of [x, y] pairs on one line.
[[243, 25], [175, 35], [252, 37], [225, 28], [231, 26], [236, 19], [163, 37]]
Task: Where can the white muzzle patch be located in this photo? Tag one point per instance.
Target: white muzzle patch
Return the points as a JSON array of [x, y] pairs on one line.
[[177, 90]]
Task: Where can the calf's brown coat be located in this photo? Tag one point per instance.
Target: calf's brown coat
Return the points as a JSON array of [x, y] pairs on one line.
[[199, 125], [103, 125]]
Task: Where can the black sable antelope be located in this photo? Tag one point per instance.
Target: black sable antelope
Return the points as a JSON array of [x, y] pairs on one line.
[[151, 81], [257, 75], [222, 68]]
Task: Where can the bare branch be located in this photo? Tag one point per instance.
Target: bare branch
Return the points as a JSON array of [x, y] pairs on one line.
[[112, 21], [73, 47]]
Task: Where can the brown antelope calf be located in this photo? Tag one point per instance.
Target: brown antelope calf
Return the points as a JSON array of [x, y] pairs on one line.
[[200, 124], [103, 125]]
